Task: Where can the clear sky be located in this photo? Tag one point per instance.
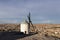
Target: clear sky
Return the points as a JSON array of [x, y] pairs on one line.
[[42, 11]]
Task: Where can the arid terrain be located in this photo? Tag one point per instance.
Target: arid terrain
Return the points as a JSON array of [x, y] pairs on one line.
[[45, 32]]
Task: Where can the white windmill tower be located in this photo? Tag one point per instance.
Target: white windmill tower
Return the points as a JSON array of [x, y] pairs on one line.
[[24, 27]]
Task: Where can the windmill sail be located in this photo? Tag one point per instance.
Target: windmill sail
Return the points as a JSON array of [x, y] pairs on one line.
[[32, 28]]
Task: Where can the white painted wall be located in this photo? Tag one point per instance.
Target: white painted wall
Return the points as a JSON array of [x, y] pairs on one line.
[[24, 27]]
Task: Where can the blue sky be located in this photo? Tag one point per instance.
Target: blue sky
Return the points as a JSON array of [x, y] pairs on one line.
[[42, 11]]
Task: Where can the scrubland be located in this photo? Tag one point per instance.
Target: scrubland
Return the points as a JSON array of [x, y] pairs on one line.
[[45, 32]]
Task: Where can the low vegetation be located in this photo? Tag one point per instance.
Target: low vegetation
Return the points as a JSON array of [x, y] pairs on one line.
[[45, 31]]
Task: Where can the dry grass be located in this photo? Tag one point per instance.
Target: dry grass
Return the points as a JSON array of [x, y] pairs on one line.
[[43, 29]]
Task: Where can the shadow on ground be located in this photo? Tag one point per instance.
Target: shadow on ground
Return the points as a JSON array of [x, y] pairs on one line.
[[13, 35]]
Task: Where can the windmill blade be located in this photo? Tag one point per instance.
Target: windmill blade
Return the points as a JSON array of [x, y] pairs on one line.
[[30, 23], [29, 19]]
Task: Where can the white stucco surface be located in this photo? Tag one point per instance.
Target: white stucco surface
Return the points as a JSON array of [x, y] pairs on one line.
[[24, 27]]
